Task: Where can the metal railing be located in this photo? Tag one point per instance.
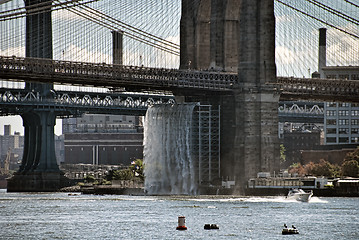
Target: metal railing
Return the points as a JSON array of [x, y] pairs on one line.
[[111, 75]]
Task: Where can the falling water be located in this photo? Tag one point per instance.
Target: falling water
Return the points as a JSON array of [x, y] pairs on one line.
[[169, 168]]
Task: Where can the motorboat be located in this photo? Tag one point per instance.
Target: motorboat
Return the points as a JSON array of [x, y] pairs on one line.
[[299, 195], [289, 231]]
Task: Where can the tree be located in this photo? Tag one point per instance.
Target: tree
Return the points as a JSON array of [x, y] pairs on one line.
[[296, 168], [124, 174], [350, 168], [282, 154], [89, 178], [352, 155], [323, 168], [137, 168]]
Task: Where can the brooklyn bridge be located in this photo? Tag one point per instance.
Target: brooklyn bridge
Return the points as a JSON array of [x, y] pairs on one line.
[[226, 58]]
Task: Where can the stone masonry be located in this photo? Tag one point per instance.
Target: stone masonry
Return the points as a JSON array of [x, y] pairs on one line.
[[238, 36]]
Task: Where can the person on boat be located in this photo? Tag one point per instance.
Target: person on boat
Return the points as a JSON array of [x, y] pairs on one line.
[[293, 227], [285, 225]]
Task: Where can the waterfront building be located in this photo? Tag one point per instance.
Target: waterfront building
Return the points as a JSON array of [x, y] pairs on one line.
[[11, 146], [297, 141], [99, 139], [341, 120]]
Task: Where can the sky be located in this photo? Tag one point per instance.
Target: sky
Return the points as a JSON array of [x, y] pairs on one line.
[[295, 56], [16, 125]]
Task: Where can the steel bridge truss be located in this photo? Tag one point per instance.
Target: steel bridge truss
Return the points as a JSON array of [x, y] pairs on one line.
[[318, 89], [301, 112], [112, 75], [69, 103], [206, 144], [144, 78]]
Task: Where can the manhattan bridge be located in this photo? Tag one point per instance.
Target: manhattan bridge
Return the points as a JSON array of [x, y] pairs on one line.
[[61, 59]]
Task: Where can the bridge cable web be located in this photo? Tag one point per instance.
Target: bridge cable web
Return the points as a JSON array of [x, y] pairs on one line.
[[80, 39], [297, 35], [107, 13], [151, 23]]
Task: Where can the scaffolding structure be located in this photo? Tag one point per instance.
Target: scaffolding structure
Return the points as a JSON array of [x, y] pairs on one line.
[[206, 144]]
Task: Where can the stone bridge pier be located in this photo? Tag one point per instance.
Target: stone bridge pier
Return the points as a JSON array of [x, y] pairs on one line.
[[38, 170], [238, 36]]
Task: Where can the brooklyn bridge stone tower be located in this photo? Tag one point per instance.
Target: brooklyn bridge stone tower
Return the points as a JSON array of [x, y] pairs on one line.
[[238, 36]]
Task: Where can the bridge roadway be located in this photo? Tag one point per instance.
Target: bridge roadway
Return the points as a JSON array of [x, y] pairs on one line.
[[75, 103], [112, 76], [14, 101], [144, 78]]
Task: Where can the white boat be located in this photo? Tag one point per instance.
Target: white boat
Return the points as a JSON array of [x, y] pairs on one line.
[[299, 195]]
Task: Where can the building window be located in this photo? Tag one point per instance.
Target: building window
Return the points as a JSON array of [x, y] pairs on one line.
[[331, 131], [331, 104], [331, 76], [343, 104], [331, 140], [331, 122], [331, 113], [343, 121], [344, 76], [355, 130], [355, 122], [343, 140], [343, 112], [354, 139], [355, 112], [343, 130], [355, 77]]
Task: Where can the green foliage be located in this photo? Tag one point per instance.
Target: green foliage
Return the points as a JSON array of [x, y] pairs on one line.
[[330, 186], [323, 168], [296, 168], [89, 179], [350, 168], [124, 174], [352, 155], [282, 153], [137, 168]]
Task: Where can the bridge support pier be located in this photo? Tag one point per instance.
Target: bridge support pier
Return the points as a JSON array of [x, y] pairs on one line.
[[230, 36], [39, 171]]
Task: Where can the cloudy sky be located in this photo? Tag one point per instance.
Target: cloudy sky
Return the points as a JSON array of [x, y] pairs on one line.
[[75, 38]]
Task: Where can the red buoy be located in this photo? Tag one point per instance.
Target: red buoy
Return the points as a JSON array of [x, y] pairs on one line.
[[181, 223]]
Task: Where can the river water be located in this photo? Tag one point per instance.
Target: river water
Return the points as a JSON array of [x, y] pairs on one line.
[[64, 216]]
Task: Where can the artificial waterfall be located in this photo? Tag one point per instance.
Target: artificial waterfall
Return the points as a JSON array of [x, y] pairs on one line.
[[169, 164]]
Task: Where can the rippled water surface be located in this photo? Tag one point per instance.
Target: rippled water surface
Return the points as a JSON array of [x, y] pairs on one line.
[[64, 216]]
